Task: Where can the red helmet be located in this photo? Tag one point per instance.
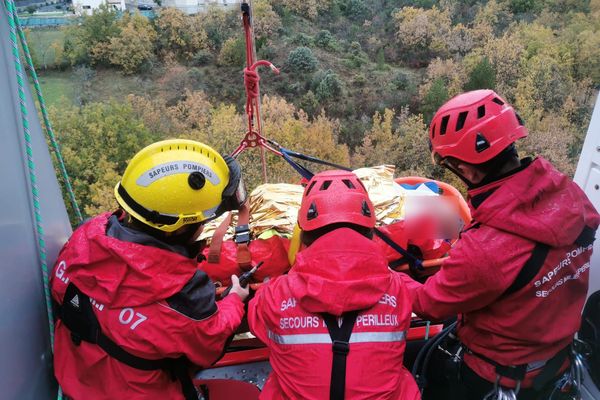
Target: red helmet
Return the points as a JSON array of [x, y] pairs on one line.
[[474, 127], [334, 197]]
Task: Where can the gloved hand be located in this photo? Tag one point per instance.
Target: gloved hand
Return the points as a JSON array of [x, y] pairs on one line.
[[243, 292]]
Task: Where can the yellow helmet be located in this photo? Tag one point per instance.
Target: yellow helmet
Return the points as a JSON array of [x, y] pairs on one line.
[[177, 182]]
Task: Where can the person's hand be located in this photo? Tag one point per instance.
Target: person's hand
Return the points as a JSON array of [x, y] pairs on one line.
[[237, 289]]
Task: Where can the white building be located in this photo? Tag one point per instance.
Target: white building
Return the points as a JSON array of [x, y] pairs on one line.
[[187, 6], [88, 6]]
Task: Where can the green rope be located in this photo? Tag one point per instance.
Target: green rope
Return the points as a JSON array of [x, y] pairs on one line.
[[47, 123], [41, 244]]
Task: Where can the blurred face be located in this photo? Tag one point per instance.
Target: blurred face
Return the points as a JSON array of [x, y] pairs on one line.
[[460, 168]]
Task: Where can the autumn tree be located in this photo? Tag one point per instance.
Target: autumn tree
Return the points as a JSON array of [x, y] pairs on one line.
[[97, 140], [423, 32], [85, 43], [181, 34], [306, 8], [266, 21], [134, 46], [233, 52]]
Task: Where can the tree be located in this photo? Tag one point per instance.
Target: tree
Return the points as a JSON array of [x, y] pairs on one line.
[[86, 43], [434, 98], [97, 140], [266, 21], [233, 53], [325, 40], [327, 85], [301, 59], [181, 34], [423, 32], [134, 46], [305, 8], [483, 76]]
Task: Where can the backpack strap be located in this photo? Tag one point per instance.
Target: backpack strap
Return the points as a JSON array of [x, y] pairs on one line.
[[242, 239], [534, 263], [530, 269], [78, 316], [340, 339]]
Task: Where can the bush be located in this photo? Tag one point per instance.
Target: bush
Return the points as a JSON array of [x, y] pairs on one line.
[[435, 97], [302, 59], [483, 76], [355, 10], [303, 39], [327, 85], [325, 40], [401, 81], [202, 57], [233, 53]]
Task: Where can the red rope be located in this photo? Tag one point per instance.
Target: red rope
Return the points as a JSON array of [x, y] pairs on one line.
[[253, 136]]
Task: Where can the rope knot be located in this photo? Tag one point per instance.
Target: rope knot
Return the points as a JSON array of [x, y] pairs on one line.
[[251, 79]]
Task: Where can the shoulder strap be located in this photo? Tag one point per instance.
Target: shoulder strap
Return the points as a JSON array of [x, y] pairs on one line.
[[534, 263], [242, 238], [340, 339], [78, 316], [214, 251], [532, 266]]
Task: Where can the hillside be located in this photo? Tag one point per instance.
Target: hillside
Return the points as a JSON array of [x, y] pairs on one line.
[[360, 79]]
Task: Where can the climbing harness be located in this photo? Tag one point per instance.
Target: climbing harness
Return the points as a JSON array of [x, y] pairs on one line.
[[77, 314], [253, 136], [340, 331]]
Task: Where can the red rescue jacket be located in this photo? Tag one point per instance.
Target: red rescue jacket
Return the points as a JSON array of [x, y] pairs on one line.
[[535, 205], [340, 272], [151, 301]]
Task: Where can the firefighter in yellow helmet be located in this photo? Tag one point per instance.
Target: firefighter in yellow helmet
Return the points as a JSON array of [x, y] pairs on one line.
[[134, 310]]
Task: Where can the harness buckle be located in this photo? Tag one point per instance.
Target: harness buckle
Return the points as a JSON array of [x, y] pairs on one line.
[[340, 347], [242, 234]]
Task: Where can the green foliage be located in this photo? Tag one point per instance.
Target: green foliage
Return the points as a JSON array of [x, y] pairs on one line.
[[525, 6], [233, 53], [302, 59], [435, 97], [380, 58], [309, 103], [483, 76], [180, 34], [202, 57], [401, 81], [327, 85], [355, 10], [31, 9], [302, 39], [134, 46], [97, 140], [325, 40], [84, 43]]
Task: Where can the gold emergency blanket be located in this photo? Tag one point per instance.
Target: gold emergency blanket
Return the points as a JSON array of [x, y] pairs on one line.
[[274, 206]]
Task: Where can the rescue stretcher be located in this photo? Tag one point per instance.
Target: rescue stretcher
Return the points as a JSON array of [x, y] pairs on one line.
[[244, 367]]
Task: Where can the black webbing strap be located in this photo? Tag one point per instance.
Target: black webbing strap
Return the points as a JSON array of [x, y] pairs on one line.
[[514, 372], [586, 237], [78, 316], [534, 263], [413, 262], [340, 339], [530, 269], [551, 369], [517, 372], [150, 215]]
